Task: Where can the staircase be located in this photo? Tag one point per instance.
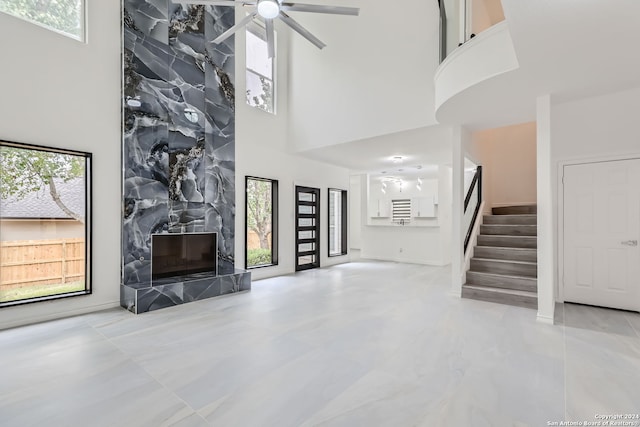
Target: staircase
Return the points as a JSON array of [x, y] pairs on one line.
[[504, 266]]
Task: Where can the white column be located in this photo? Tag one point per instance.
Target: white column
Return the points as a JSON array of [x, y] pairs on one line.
[[457, 214], [546, 230]]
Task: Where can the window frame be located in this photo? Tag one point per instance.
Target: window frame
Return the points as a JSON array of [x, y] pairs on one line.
[[257, 29], [88, 225], [274, 221], [401, 206], [82, 37], [343, 223]]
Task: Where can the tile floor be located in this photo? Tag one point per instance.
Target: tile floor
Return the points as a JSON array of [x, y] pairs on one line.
[[360, 344]]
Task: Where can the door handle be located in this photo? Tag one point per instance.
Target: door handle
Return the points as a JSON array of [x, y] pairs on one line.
[[630, 243]]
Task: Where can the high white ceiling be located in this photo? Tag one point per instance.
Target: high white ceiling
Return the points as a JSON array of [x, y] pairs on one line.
[[357, 107], [421, 149], [375, 77]]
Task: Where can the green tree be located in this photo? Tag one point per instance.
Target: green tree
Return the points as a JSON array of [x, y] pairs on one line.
[[259, 209], [63, 15], [264, 101], [26, 171]]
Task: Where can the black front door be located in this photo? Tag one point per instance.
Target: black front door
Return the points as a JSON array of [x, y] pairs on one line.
[[307, 228]]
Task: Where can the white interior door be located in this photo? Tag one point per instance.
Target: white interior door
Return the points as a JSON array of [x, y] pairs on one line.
[[602, 234]]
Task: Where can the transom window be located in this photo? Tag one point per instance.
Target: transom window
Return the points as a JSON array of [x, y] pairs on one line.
[[63, 16], [260, 84]]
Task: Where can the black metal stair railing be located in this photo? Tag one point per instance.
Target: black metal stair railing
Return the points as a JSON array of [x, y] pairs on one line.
[[476, 182]]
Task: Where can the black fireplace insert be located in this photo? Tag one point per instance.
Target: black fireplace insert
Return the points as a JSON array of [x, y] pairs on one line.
[[179, 254]]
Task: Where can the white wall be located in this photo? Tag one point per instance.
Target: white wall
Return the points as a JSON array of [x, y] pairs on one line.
[[355, 212], [590, 129], [430, 188], [508, 157], [369, 80], [546, 219], [605, 125], [63, 93], [262, 151], [429, 245], [462, 151]]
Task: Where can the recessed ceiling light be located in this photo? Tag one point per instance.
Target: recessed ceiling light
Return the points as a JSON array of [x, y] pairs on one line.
[[397, 159]]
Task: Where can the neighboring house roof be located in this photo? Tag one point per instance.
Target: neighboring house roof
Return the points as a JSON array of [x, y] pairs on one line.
[[40, 204]]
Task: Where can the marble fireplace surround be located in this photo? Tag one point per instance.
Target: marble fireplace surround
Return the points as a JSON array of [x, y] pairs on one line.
[[178, 146]]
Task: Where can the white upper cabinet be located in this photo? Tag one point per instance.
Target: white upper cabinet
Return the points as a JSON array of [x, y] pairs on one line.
[[423, 207], [379, 208]]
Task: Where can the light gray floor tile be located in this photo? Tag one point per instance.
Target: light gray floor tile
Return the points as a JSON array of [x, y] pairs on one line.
[[597, 319], [360, 344], [634, 320]]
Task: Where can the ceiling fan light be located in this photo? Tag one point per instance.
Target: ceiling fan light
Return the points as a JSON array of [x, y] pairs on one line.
[[268, 9]]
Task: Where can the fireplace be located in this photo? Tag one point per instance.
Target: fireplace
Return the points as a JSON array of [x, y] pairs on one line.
[[181, 254]]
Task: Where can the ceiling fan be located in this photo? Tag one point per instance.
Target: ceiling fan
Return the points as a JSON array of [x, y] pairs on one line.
[[275, 9]]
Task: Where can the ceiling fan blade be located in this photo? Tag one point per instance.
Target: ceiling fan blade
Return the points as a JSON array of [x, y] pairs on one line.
[[217, 2], [300, 30], [316, 8], [271, 44], [222, 37]]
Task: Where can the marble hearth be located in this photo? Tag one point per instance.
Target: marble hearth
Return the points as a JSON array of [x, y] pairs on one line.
[[168, 292]]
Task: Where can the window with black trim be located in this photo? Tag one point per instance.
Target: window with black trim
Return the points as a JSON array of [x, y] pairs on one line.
[[260, 70], [45, 223], [337, 222], [261, 215], [62, 16]]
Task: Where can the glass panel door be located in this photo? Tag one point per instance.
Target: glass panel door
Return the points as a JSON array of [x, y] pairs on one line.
[[307, 228]]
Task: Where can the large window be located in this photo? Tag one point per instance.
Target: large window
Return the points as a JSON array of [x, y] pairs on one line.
[[261, 237], [45, 223], [337, 222], [64, 16], [260, 82]]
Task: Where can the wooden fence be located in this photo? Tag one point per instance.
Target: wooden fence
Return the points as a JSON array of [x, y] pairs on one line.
[[41, 262]]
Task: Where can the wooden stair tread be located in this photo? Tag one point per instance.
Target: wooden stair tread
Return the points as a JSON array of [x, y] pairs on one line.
[[507, 276], [506, 261], [507, 248], [514, 215], [509, 236]]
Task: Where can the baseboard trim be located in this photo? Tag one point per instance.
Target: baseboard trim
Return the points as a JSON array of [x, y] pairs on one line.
[[60, 315], [544, 319], [405, 261]]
